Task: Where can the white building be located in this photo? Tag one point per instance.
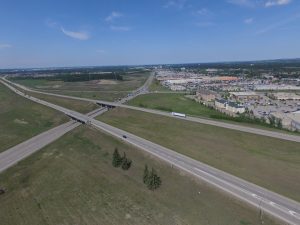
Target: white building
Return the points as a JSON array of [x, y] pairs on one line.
[[229, 106], [220, 103], [177, 88], [235, 108]]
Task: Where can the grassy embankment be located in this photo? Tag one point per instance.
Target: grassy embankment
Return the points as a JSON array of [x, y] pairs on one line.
[[21, 119], [72, 181], [268, 162]]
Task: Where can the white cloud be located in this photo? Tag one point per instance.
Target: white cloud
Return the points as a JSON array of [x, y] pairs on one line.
[[248, 20], [5, 46], [279, 24], [120, 28], [52, 24], [178, 4], [114, 15], [247, 3], [259, 3], [277, 2], [205, 24], [80, 35], [203, 12], [100, 51]]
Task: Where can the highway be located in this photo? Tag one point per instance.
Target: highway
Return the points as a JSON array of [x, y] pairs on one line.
[[17, 153], [279, 206], [257, 131], [142, 90]]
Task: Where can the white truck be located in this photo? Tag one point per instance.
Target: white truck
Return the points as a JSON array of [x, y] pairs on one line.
[[178, 114]]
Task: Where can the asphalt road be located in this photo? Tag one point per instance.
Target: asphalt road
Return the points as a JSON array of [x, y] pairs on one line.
[[17, 153], [279, 206], [268, 133], [142, 90]]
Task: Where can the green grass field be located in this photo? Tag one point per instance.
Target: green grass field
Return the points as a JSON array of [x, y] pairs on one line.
[[109, 90], [156, 86], [72, 181], [97, 95], [177, 102], [268, 162], [21, 119], [172, 103]]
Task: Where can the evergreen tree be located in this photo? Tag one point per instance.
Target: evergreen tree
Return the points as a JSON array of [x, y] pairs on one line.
[[146, 175], [126, 163], [154, 180], [124, 157], [116, 160], [272, 120], [279, 123]]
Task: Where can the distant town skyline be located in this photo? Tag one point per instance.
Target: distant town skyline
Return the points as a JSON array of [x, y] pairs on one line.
[[98, 33]]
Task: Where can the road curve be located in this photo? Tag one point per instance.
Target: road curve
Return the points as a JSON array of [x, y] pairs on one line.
[[279, 206], [263, 132]]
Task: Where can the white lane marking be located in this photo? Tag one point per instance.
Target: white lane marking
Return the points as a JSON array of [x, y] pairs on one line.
[[283, 209], [272, 203], [293, 213], [256, 196]]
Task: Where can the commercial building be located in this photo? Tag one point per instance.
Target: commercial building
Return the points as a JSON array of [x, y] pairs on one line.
[[231, 107], [235, 108], [177, 88], [284, 96], [242, 96], [274, 87], [205, 95], [220, 103]]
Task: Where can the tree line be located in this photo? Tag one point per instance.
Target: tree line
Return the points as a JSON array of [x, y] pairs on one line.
[[74, 77]]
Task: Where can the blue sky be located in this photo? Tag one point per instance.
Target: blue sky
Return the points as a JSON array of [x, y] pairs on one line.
[[35, 33]]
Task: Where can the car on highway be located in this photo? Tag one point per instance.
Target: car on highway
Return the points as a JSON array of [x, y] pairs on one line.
[[124, 136], [178, 114]]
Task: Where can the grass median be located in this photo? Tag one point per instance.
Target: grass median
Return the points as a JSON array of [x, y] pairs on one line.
[[76, 105]]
